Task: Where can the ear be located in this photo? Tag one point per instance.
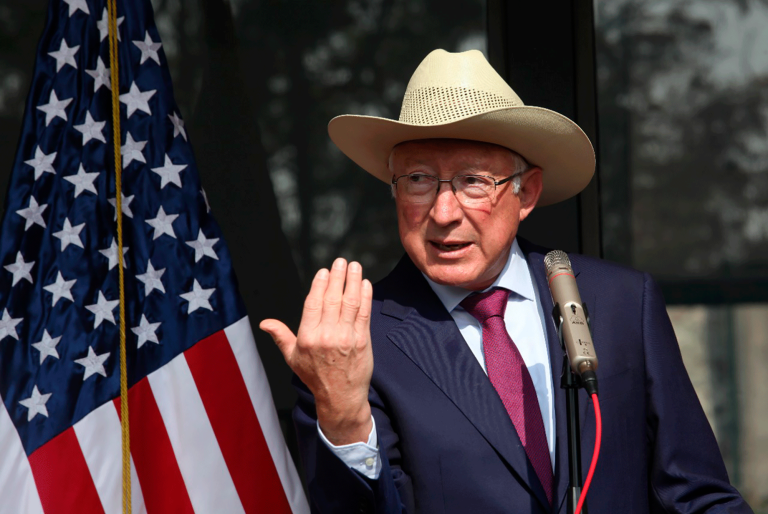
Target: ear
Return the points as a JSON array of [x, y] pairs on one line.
[[530, 191]]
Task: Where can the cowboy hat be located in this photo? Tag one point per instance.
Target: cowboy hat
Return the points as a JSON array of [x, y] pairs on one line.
[[460, 96]]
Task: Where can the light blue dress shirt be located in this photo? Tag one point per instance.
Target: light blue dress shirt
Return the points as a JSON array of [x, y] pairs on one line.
[[525, 322]]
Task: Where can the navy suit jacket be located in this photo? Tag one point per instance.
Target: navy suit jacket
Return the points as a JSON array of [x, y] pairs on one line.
[[448, 446]]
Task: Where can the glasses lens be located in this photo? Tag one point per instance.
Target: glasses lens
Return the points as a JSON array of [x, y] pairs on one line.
[[417, 187], [473, 189]]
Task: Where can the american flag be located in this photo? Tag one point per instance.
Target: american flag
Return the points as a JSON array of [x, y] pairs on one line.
[[204, 433]]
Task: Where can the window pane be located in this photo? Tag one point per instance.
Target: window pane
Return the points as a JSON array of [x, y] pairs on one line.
[[725, 351], [683, 118], [683, 121]]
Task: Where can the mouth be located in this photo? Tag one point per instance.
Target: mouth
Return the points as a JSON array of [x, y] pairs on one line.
[[449, 246]]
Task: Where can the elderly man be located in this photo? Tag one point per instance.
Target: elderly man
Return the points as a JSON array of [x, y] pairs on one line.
[[463, 412]]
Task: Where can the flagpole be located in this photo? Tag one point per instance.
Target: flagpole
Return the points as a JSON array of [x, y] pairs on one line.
[[116, 133]]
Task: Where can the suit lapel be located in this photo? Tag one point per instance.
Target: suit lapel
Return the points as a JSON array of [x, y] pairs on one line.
[[535, 257], [429, 337]]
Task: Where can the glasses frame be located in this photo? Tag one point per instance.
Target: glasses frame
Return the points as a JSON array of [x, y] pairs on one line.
[[496, 183]]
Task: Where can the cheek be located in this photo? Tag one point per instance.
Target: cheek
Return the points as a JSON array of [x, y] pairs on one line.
[[411, 219]]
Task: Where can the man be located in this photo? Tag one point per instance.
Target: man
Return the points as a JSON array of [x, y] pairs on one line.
[[462, 411]]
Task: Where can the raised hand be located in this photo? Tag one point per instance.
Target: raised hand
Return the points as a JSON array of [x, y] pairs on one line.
[[331, 353]]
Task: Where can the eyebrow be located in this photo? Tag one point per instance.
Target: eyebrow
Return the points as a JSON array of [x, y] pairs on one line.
[[462, 167]]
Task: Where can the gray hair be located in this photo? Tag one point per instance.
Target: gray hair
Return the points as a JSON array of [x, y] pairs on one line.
[[521, 166]]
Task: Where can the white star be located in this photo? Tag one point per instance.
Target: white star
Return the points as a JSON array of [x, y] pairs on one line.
[[60, 289], [20, 269], [33, 214], [169, 172], [103, 25], [178, 126], [148, 48], [151, 279], [162, 223], [198, 298], [65, 55], [91, 129], [42, 163], [47, 346], [93, 363], [83, 181], [74, 5], [131, 151], [146, 332], [54, 108], [36, 403], [111, 254], [205, 197], [126, 204], [203, 246], [69, 235], [8, 326], [100, 75], [102, 309], [135, 99]]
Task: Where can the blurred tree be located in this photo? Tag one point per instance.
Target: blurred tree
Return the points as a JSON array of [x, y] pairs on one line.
[[680, 143]]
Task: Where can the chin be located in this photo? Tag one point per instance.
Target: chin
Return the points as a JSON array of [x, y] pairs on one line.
[[457, 278]]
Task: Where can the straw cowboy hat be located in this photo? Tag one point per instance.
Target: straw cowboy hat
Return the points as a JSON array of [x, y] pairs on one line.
[[460, 96]]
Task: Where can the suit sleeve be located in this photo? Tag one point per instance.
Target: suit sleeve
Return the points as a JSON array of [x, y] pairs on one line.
[[687, 474], [333, 486]]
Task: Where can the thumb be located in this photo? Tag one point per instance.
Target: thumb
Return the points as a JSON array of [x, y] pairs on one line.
[[281, 334]]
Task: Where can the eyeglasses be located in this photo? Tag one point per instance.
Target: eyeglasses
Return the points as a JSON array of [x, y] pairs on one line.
[[469, 189]]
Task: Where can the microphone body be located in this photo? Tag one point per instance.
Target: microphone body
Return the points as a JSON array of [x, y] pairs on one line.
[[577, 338]]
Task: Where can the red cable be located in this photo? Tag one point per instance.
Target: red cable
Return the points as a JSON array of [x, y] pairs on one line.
[[598, 438]]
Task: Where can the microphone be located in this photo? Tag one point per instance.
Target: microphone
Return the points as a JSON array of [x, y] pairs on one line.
[[572, 318]]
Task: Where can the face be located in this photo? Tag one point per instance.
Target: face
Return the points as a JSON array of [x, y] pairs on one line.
[[455, 244]]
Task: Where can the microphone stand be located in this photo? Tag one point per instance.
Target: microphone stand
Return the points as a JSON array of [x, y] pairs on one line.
[[571, 383]]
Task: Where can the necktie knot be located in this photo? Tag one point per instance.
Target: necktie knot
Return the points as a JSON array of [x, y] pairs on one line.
[[486, 305]]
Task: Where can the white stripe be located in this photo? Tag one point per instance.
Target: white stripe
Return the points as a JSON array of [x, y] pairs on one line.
[[194, 443], [99, 436], [18, 492], [240, 338]]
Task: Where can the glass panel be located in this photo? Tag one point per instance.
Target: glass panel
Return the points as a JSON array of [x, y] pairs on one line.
[[725, 351], [683, 118], [683, 108]]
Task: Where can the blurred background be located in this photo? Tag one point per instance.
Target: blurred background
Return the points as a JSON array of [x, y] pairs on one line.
[[673, 92]]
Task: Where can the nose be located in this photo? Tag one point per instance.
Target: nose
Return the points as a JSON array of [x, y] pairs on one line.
[[446, 208]]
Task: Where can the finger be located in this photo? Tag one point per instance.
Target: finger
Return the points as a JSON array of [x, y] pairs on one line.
[[313, 304], [282, 336], [332, 298], [363, 320], [350, 303]]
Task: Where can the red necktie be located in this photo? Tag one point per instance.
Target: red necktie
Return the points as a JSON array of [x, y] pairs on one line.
[[509, 376]]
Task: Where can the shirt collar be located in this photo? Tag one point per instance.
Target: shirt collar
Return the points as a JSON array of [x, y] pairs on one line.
[[515, 276]]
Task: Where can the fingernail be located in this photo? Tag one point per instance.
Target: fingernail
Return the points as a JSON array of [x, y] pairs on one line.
[[355, 267], [339, 263], [322, 273]]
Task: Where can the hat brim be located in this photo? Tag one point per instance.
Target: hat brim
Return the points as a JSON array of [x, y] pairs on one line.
[[544, 138]]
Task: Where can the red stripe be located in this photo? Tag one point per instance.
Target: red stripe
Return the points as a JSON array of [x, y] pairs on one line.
[[159, 476], [63, 480], [229, 408], [563, 273]]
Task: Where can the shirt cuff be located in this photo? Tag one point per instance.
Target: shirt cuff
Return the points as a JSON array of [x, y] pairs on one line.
[[362, 457]]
